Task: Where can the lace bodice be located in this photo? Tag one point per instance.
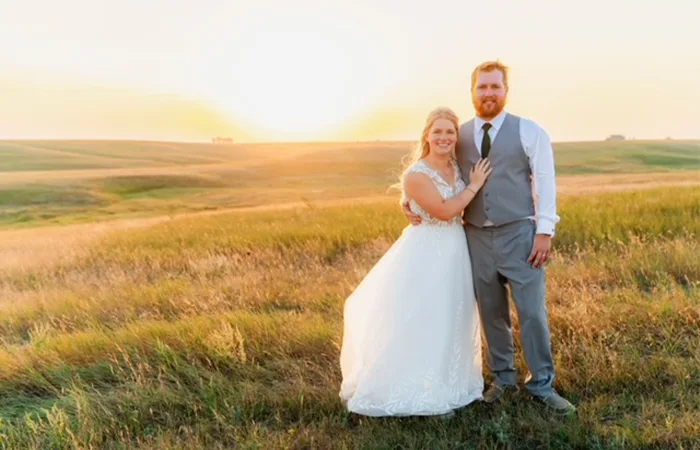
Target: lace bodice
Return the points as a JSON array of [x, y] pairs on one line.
[[446, 191]]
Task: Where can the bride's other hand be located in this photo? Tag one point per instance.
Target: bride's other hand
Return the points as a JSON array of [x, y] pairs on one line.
[[479, 173]]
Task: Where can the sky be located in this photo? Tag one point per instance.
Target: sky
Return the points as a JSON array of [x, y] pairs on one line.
[[303, 70]]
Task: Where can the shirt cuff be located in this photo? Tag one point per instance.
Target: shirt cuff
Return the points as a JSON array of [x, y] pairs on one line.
[[545, 226]]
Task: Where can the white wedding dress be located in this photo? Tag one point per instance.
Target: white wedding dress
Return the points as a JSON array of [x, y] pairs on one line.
[[412, 336]]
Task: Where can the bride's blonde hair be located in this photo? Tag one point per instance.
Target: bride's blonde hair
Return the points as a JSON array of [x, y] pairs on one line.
[[423, 148]]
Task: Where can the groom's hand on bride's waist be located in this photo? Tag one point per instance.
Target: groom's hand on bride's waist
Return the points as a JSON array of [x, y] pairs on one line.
[[413, 218], [541, 250]]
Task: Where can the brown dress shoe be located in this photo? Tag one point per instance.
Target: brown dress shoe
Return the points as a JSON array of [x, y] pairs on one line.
[[495, 392]]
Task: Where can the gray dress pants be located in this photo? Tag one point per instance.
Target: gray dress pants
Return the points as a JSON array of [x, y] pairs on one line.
[[499, 258]]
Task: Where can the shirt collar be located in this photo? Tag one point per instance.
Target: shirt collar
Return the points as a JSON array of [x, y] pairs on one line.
[[496, 122]]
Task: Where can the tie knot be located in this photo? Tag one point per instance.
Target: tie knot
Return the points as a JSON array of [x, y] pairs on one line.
[[486, 127]]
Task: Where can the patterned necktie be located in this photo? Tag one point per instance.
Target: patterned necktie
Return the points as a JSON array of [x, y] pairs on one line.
[[486, 140]]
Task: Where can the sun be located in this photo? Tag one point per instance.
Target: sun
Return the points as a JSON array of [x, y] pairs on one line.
[[299, 84]]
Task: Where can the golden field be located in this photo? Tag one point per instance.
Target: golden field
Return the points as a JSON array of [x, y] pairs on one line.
[[190, 296]]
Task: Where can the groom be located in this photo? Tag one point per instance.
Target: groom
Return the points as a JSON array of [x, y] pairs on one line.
[[509, 237]]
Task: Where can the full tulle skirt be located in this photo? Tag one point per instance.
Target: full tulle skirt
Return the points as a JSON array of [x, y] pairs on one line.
[[412, 336]]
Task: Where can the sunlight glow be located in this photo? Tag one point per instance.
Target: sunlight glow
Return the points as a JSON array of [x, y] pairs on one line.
[[275, 70], [298, 81], [299, 77]]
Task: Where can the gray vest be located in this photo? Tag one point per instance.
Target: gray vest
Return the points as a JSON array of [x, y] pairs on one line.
[[507, 195]]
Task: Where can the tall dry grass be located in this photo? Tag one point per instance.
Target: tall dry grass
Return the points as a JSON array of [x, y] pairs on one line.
[[223, 331]]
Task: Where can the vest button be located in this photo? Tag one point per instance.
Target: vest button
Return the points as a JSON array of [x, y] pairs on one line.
[[488, 208]]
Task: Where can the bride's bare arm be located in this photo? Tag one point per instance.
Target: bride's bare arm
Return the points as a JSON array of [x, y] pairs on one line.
[[421, 189]]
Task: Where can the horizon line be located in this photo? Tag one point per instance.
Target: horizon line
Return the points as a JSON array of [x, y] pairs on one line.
[[321, 141]]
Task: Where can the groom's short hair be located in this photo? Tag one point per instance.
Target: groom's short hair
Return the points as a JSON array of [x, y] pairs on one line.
[[489, 66]]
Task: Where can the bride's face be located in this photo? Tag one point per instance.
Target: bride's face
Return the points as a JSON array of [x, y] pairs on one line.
[[442, 137]]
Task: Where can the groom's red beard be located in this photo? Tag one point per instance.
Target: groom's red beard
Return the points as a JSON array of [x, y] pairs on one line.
[[489, 107]]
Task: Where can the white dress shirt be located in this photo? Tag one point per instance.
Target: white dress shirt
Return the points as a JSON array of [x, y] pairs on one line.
[[538, 149]]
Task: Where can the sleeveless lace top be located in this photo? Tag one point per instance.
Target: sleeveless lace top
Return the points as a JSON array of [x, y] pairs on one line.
[[446, 191]]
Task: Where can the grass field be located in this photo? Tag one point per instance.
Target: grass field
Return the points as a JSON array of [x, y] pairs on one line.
[[572, 157], [222, 329], [45, 183]]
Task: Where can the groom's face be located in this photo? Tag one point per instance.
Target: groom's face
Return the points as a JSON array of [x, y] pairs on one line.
[[489, 94]]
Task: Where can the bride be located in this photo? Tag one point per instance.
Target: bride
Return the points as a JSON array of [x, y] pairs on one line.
[[412, 336]]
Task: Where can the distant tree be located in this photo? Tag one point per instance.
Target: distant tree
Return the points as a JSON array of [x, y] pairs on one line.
[[615, 137]]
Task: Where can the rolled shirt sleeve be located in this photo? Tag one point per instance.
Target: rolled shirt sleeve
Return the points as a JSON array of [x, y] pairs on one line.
[[538, 147]]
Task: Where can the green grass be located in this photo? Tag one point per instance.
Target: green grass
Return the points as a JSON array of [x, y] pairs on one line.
[[70, 155], [30, 204], [224, 331], [602, 219], [36, 195], [125, 179], [572, 157], [162, 186], [626, 156]]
